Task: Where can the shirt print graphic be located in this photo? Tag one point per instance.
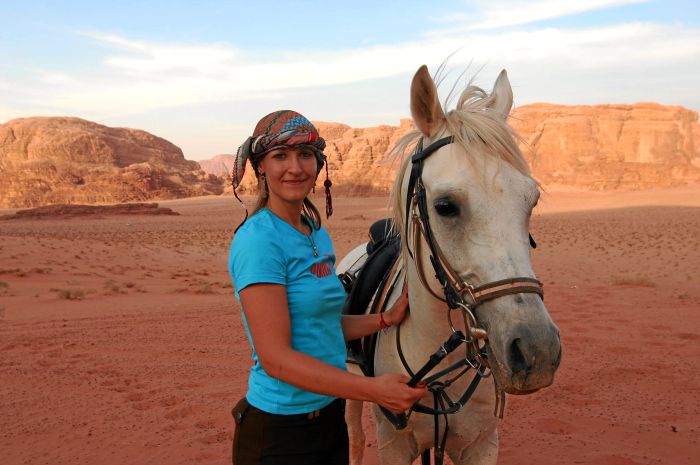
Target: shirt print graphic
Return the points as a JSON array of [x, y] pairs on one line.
[[323, 269]]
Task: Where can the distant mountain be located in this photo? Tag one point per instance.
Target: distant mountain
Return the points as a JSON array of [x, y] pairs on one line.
[[55, 160], [52, 160], [218, 164]]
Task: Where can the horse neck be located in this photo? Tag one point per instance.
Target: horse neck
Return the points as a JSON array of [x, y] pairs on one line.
[[427, 325]]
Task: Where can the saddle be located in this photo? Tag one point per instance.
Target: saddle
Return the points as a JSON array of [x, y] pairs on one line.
[[362, 285]]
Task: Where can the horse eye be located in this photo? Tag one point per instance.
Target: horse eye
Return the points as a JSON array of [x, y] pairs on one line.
[[444, 207]]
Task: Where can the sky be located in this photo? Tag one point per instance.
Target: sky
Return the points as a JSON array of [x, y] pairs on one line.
[[201, 74]]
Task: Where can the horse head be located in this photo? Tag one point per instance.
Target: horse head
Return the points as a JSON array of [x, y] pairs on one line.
[[478, 199]]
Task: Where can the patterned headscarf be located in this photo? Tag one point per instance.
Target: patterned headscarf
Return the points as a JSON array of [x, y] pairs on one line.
[[282, 128]]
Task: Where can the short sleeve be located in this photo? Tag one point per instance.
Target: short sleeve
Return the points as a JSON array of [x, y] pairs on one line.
[[256, 257]]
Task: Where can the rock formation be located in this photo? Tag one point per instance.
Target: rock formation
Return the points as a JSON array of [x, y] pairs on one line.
[[600, 147], [73, 211], [219, 165], [596, 147], [51, 160], [47, 161]]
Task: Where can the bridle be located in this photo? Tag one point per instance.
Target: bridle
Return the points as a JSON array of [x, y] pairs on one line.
[[458, 294]]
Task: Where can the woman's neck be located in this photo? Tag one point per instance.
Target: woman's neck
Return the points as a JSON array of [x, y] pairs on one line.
[[289, 212]]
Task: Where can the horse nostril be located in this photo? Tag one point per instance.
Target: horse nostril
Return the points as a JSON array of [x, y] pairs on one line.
[[516, 357]]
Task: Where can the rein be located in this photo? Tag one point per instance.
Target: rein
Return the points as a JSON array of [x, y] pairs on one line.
[[458, 294]]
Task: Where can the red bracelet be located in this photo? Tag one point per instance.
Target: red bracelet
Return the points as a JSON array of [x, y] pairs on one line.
[[382, 323]]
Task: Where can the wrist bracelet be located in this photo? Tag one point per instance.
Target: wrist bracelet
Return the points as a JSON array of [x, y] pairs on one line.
[[382, 323]]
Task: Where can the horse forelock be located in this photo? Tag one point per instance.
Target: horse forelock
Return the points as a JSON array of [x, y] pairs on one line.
[[475, 122]]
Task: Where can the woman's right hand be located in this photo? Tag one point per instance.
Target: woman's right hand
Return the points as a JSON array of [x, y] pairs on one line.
[[393, 392]]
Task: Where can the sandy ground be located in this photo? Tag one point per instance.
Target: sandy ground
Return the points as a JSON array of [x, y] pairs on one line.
[[120, 341]]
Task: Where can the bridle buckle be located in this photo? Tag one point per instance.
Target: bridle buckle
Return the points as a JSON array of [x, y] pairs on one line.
[[468, 291]]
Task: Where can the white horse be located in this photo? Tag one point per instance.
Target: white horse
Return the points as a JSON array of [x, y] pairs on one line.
[[479, 196]]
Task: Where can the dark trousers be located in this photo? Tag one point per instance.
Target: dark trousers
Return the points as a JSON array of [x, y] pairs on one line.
[[316, 438]]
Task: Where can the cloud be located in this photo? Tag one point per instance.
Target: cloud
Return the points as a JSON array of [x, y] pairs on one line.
[[144, 58], [138, 76], [501, 14], [55, 78]]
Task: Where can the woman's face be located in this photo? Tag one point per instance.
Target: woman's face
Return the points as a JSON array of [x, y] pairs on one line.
[[290, 173]]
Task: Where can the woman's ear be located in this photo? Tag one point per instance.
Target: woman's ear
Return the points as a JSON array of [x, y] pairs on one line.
[[260, 167]]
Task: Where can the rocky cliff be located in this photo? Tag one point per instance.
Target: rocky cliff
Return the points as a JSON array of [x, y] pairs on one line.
[[600, 147], [219, 165], [51, 160], [596, 147], [69, 160]]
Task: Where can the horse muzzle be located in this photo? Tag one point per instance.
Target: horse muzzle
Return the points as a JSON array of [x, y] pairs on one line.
[[526, 360]]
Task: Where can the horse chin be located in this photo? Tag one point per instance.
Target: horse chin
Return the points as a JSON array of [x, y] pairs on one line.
[[523, 393]]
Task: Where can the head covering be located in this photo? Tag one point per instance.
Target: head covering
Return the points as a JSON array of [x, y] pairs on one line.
[[282, 128]]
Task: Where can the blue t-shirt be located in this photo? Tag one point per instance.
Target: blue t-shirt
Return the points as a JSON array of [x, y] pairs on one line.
[[267, 249]]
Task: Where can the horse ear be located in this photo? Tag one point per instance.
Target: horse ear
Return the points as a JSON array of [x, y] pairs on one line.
[[425, 106], [502, 95]]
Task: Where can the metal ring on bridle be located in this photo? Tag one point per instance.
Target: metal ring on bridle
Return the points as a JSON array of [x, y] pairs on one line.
[[467, 312], [473, 337], [467, 338]]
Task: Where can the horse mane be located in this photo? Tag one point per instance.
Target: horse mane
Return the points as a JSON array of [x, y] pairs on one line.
[[472, 123]]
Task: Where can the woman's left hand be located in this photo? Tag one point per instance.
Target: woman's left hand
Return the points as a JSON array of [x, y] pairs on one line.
[[397, 312]]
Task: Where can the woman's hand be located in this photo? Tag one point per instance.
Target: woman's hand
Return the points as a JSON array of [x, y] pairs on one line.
[[397, 312], [393, 392]]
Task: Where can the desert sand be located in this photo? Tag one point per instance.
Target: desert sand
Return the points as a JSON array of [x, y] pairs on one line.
[[121, 342]]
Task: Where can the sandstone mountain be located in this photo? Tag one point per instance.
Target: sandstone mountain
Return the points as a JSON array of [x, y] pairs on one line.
[[52, 160], [602, 147], [595, 147], [219, 164]]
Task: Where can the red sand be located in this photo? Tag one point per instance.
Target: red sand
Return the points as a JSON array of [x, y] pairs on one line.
[[120, 341]]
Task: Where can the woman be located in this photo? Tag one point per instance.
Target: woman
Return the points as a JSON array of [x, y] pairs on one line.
[[281, 263]]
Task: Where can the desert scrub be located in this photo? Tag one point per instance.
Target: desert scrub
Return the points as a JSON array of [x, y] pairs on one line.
[[69, 294], [40, 270], [204, 289], [639, 281], [201, 286], [113, 288], [4, 288]]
